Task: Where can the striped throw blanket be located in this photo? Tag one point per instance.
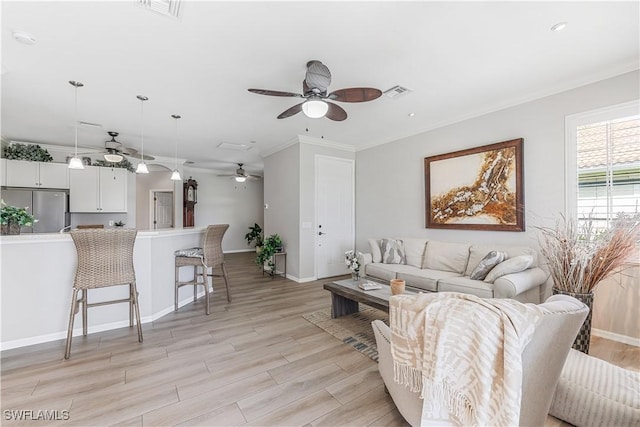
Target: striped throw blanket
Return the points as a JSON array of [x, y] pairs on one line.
[[463, 354]]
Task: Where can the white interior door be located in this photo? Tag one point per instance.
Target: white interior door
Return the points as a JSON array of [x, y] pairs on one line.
[[335, 223], [162, 209]]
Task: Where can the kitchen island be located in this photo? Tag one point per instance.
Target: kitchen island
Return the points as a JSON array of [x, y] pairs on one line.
[[37, 273]]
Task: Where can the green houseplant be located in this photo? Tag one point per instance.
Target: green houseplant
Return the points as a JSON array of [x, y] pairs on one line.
[[270, 246], [30, 152], [254, 234], [12, 218]]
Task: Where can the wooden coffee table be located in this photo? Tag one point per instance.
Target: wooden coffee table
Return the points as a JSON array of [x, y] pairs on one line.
[[345, 296]]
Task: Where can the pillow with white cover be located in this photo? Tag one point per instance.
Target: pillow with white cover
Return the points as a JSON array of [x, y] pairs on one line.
[[393, 251], [512, 265], [376, 255], [487, 263]]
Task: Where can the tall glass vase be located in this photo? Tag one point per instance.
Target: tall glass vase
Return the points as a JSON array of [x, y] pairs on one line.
[[355, 275], [584, 334]]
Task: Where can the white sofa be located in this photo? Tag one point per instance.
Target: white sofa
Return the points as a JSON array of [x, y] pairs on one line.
[[437, 266]]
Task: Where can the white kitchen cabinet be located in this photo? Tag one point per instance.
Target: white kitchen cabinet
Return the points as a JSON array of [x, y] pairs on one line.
[[3, 171], [21, 173], [98, 189]]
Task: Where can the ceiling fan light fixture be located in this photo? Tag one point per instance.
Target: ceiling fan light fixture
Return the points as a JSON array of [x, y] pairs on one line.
[[175, 175], [113, 158], [241, 178], [315, 108], [142, 167]]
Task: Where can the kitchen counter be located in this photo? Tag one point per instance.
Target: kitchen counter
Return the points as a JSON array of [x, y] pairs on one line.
[[36, 283]]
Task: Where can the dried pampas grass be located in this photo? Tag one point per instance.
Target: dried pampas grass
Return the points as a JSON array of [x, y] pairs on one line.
[[580, 257]]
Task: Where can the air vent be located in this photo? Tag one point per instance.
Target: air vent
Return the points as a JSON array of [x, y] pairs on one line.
[[169, 8], [396, 91], [234, 147]]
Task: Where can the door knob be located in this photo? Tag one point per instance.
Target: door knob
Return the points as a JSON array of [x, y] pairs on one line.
[[320, 233]]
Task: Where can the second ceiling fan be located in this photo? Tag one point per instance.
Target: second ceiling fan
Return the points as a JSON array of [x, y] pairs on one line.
[[316, 99]]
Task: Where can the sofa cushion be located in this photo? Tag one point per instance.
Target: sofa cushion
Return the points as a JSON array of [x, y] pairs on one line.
[[393, 251], [414, 250], [512, 265], [425, 279], [477, 252], [446, 256], [386, 271], [374, 246], [485, 265], [467, 286]]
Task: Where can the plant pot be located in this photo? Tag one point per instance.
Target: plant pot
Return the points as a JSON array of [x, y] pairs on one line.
[[583, 338], [11, 228], [258, 250]]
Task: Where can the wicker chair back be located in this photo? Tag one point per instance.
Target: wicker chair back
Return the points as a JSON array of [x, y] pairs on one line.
[[105, 257], [212, 247]]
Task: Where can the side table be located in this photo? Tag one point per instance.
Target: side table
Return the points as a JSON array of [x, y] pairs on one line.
[[275, 265]]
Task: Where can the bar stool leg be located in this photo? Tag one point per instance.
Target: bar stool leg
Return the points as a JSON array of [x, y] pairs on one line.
[[137, 306], [195, 286], [72, 315], [85, 312], [130, 305], [205, 279], [226, 282], [175, 299]]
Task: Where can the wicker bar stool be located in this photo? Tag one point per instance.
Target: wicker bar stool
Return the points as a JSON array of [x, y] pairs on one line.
[[105, 258], [210, 256]]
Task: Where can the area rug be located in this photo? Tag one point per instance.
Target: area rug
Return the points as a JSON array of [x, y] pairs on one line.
[[354, 329]]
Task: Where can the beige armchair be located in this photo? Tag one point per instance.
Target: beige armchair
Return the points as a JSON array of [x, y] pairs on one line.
[[542, 361]]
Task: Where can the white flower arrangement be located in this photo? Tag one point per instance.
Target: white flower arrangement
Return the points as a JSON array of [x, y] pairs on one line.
[[352, 260]]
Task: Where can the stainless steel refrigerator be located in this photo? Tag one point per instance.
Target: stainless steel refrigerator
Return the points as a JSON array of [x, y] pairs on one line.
[[50, 207]]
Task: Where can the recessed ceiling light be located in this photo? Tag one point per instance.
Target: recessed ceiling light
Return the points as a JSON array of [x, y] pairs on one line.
[[24, 38], [559, 26], [411, 114]]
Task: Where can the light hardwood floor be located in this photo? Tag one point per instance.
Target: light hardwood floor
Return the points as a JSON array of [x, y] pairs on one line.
[[254, 361]]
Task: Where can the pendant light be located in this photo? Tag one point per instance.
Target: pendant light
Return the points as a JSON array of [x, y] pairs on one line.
[[175, 175], [142, 166], [76, 162]]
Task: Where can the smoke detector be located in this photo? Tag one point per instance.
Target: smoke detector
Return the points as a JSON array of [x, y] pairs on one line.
[[396, 91]]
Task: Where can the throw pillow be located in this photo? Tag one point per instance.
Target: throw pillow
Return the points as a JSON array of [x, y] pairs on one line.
[[512, 265], [376, 255], [485, 265], [393, 251]]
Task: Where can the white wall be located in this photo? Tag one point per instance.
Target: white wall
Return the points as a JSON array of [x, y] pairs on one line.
[[222, 200], [282, 195], [390, 178]]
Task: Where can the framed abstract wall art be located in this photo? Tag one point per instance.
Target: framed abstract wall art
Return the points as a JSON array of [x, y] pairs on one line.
[[478, 188]]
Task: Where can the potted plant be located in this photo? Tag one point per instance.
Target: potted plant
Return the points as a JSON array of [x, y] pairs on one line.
[[255, 234], [12, 218], [30, 152], [270, 246], [580, 257]]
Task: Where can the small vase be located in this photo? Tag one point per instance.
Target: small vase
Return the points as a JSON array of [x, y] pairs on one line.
[[12, 228], [355, 275], [583, 338]]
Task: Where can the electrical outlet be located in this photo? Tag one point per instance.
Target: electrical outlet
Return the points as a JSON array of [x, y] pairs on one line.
[[110, 223]]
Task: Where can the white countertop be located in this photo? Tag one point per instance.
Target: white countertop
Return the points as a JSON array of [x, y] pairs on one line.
[[56, 237]]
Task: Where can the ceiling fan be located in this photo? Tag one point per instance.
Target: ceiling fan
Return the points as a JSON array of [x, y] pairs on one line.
[[114, 150], [316, 100], [241, 175]]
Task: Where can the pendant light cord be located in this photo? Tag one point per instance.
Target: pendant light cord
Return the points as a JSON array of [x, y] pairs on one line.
[[76, 119]]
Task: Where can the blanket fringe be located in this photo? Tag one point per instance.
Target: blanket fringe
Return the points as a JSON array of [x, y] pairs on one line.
[[440, 395], [408, 376]]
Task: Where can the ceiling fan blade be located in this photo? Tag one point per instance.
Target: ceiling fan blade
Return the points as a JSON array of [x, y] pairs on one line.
[[141, 157], [355, 94], [291, 111], [335, 112], [128, 151], [274, 93]]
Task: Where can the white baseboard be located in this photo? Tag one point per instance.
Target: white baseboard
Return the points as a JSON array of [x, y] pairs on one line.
[[91, 329], [301, 280], [616, 337], [236, 251]]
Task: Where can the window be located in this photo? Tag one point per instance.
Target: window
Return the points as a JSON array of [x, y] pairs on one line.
[[603, 172]]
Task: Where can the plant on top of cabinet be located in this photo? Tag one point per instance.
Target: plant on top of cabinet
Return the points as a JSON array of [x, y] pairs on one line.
[[30, 152], [124, 163]]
